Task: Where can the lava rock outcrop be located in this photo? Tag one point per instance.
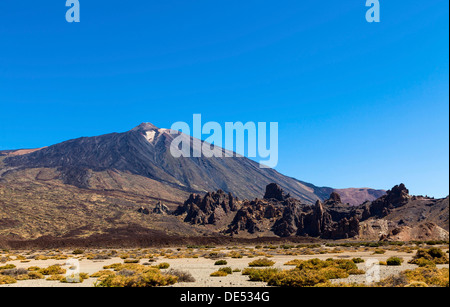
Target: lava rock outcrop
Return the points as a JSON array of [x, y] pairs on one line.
[[209, 209]]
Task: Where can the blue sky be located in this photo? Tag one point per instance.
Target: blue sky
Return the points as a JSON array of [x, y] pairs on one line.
[[358, 104]]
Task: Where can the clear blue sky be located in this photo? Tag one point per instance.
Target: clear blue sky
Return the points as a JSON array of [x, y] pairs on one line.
[[358, 104]]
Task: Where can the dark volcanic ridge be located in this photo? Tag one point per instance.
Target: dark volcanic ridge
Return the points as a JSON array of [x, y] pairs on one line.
[[284, 216], [145, 151], [127, 187]]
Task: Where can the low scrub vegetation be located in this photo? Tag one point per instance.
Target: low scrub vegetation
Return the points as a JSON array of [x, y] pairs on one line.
[[53, 270], [263, 262], [183, 276], [420, 277], [427, 256], [5, 280], [394, 261], [136, 276], [219, 274], [312, 272], [260, 274]]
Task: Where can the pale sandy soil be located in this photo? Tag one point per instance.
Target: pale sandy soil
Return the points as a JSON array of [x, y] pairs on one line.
[[201, 268]]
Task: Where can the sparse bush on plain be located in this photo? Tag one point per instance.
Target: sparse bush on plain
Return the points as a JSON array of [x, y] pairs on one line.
[[36, 275], [312, 272], [379, 252], [426, 275], [7, 267], [422, 262], [219, 274], [5, 280], [151, 278], [102, 273], [163, 266], [435, 255], [14, 272], [260, 274], [358, 260], [55, 278], [394, 261], [182, 276], [53, 270], [263, 262], [227, 270], [297, 278]]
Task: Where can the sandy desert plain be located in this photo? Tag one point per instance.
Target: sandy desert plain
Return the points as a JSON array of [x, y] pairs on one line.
[[418, 264]]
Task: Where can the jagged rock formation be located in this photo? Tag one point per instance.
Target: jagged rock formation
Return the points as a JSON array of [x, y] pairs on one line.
[[289, 217], [160, 208], [398, 216], [285, 216], [396, 197], [207, 210], [274, 191], [252, 215], [144, 210], [329, 220]]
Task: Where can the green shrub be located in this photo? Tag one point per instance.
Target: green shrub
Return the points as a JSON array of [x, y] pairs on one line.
[[227, 270], [435, 255], [426, 275], [394, 261], [78, 252], [131, 261], [163, 266], [35, 275], [379, 252], [55, 277], [332, 272], [149, 279], [53, 270], [221, 262], [261, 263], [102, 273], [260, 274], [7, 267], [422, 262], [297, 278], [430, 276], [358, 260], [312, 272], [5, 280], [219, 274], [317, 264], [181, 275]]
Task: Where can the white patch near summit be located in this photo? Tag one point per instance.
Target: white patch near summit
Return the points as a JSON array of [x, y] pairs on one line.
[[150, 135]]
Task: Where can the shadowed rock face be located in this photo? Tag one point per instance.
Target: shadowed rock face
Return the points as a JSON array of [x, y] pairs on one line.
[[209, 209], [397, 197], [274, 191], [252, 215], [328, 220], [160, 208], [145, 151], [287, 217]]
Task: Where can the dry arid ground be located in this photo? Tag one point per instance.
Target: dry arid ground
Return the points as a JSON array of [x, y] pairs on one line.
[[199, 262]]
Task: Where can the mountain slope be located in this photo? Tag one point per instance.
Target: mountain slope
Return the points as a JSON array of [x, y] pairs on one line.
[[145, 151]]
